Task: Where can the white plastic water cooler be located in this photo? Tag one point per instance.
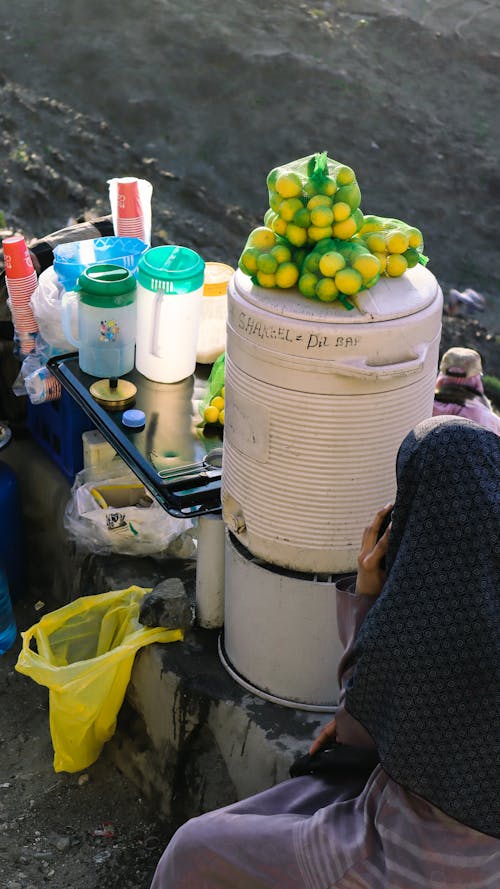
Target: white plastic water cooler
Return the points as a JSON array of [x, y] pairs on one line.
[[317, 401]]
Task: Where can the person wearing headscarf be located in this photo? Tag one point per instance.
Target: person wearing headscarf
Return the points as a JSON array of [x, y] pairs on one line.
[[420, 684], [459, 389]]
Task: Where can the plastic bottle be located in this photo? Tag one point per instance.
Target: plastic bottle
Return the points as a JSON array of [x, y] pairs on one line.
[[12, 532], [8, 628]]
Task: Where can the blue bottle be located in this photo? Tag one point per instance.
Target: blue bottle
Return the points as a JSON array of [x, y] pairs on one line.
[[8, 628], [12, 536]]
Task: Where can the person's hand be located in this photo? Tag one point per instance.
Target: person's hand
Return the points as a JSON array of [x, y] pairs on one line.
[[371, 571], [325, 736]]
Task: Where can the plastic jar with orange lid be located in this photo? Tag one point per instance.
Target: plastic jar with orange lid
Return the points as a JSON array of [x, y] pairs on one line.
[[212, 332]]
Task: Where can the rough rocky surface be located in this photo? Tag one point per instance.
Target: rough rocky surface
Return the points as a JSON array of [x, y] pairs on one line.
[[167, 606]]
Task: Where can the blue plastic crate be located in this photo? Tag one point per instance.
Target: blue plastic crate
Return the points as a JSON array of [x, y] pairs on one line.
[[57, 426]]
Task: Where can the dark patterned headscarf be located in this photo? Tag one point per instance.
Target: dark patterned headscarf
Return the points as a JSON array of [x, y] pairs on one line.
[[427, 681]]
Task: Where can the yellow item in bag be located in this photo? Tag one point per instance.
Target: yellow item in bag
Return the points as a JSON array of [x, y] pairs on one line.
[[85, 652]]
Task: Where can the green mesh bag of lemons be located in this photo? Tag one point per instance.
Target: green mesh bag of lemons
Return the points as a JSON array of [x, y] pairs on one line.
[[212, 406], [315, 236]]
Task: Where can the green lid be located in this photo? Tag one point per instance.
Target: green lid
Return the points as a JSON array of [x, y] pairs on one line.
[[171, 269], [106, 286]]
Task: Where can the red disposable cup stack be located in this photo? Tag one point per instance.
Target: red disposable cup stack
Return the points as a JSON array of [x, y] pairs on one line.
[[42, 386], [130, 216], [21, 282], [51, 387]]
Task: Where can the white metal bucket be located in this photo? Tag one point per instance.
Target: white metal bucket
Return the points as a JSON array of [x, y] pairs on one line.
[[280, 632]]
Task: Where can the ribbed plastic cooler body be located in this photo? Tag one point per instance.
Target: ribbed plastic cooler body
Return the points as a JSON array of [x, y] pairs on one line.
[[317, 402]]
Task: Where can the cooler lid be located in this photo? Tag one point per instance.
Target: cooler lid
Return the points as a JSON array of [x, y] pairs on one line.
[[390, 298]]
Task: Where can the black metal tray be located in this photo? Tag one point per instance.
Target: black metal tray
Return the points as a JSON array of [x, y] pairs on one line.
[[170, 453]]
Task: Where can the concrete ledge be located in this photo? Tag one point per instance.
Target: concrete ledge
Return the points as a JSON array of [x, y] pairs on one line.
[[193, 739], [188, 735]]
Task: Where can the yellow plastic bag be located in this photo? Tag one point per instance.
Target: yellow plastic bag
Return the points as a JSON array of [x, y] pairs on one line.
[[85, 652]]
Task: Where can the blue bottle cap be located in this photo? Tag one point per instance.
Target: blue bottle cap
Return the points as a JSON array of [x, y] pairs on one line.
[[134, 419]]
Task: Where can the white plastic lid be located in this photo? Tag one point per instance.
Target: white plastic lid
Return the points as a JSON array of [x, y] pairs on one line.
[[390, 298]]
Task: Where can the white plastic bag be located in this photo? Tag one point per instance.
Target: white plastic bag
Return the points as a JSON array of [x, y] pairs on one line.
[[110, 511], [46, 302]]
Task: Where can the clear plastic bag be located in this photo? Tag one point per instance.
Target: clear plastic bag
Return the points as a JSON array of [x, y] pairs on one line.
[[46, 302], [84, 655], [110, 511]]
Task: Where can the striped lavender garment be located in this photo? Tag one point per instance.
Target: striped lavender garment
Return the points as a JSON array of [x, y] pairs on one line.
[[308, 833]]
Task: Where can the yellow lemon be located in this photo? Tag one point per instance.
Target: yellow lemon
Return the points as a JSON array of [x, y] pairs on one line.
[[321, 217], [397, 241], [311, 262], [310, 188], [411, 255], [367, 265], [248, 260], [341, 211], [267, 263], [319, 200], [331, 263], [315, 233], [262, 238], [299, 256], [307, 284], [415, 237], [368, 227], [302, 218], [275, 202], [345, 230], [282, 253], [221, 417], [287, 275], [348, 281], [279, 226], [351, 194], [382, 258], [328, 186], [211, 414], [345, 175], [288, 185], [358, 217], [396, 265], [326, 290], [372, 224], [223, 392], [266, 280], [295, 234], [217, 402], [375, 242], [325, 246], [289, 208], [271, 179]]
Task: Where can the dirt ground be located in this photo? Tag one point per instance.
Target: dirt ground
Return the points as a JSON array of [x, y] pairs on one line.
[[50, 822], [203, 99]]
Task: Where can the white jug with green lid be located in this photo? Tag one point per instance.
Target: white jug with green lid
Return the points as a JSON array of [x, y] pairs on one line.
[[169, 293]]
